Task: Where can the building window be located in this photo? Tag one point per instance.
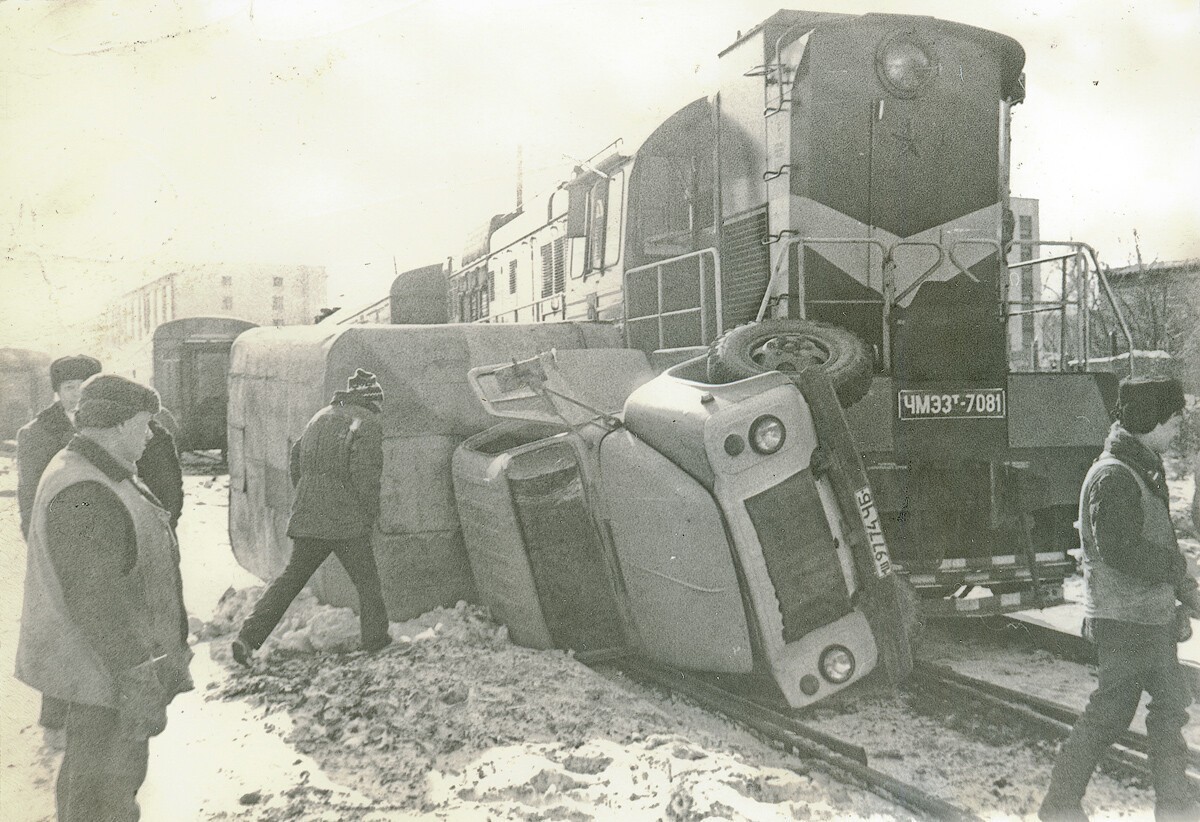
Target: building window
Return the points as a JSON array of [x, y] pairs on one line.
[[1026, 227], [226, 280], [227, 303], [277, 303], [278, 282]]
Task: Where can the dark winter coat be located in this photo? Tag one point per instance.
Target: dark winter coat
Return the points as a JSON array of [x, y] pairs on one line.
[[159, 469], [1132, 563], [336, 467], [37, 443], [102, 587]]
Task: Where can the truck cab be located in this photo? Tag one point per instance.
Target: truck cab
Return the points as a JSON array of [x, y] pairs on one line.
[[723, 527]]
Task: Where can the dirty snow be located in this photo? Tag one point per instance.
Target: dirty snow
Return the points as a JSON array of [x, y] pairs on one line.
[[455, 722]]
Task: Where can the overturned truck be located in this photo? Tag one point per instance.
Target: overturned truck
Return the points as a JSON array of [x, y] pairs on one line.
[[716, 526]]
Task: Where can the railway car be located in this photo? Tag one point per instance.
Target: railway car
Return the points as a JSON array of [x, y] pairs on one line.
[[24, 388], [841, 203], [191, 369]]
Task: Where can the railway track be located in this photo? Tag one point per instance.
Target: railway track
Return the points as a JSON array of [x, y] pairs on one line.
[[841, 759], [1039, 718], [1046, 717]]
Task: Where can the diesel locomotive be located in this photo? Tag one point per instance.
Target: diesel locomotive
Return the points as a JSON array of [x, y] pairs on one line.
[[839, 203]]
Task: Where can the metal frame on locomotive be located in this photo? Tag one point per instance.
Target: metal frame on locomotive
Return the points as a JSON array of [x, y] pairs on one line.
[[851, 174]]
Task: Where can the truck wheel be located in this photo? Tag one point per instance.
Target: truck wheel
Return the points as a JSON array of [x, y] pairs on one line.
[[793, 347]]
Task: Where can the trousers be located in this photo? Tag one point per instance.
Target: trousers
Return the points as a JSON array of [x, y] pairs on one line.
[[102, 769], [356, 557], [1132, 658]]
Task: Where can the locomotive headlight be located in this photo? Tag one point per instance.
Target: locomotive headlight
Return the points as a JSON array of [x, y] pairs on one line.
[[904, 64], [837, 664], [767, 434]]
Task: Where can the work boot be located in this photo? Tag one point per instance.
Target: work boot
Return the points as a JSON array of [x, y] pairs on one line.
[[1059, 810], [378, 644], [241, 653]]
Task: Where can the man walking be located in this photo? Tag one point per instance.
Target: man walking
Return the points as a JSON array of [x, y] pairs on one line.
[[336, 467], [100, 624], [1133, 573]]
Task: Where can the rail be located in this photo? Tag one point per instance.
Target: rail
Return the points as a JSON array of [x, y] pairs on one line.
[[1130, 753], [844, 760], [704, 310]]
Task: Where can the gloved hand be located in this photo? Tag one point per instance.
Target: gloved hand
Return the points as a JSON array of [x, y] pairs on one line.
[[1183, 623], [1189, 599], [141, 702]]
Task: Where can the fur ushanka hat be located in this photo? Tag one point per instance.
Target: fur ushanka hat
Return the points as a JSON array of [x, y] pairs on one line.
[[1143, 403], [107, 400], [79, 367]]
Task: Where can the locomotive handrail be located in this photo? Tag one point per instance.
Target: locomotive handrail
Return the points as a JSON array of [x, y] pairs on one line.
[[992, 243], [1082, 248], [924, 275], [769, 295], [660, 314]]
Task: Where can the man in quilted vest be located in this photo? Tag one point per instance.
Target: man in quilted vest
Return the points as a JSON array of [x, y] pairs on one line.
[[103, 627], [37, 443], [336, 466], [1134, 573]]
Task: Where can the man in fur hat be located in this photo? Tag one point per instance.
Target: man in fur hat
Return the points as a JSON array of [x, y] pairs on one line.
[[50, 431], [336, 466], [103, 626], [37, 443], [46, 435], [1133, 574]]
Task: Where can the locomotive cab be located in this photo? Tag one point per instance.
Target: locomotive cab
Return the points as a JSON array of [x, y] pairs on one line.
[[718, 527]]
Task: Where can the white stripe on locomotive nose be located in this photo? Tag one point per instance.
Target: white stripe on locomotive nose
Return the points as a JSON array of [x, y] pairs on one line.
[[820, 220]]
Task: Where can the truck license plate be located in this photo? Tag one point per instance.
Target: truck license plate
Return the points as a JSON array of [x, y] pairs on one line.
[[971, 403]]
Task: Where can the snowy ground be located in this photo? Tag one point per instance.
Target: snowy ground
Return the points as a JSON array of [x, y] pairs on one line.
[[454, 722]]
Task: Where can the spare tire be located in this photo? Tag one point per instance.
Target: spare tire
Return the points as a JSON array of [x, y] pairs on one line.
[[793, 347]]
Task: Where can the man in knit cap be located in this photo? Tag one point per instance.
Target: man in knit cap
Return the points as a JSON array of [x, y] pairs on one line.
[[103, 626], [1133, 575], [336, 467]]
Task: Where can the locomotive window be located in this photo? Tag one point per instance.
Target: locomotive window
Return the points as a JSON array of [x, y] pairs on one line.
[[597, 223], [612, 232]]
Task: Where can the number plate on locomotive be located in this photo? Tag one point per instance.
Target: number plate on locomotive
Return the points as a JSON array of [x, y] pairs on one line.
[[956, 404]]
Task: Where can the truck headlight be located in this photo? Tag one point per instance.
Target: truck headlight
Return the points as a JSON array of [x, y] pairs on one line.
[[837, 664], [767, 434]]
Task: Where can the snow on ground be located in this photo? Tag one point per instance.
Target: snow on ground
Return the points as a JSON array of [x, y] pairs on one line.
[[454, 722], [451, 722]]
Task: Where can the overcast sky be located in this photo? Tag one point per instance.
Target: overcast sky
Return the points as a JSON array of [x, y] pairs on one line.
[[347, 133]]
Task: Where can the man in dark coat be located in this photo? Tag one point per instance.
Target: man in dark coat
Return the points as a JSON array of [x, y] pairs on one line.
[[103, 603], [1134, 573], [336, 466], [50, 431], [159, 469]]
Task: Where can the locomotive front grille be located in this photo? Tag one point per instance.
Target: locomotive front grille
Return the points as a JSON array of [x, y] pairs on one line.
[[745, 267], [801, 556]]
